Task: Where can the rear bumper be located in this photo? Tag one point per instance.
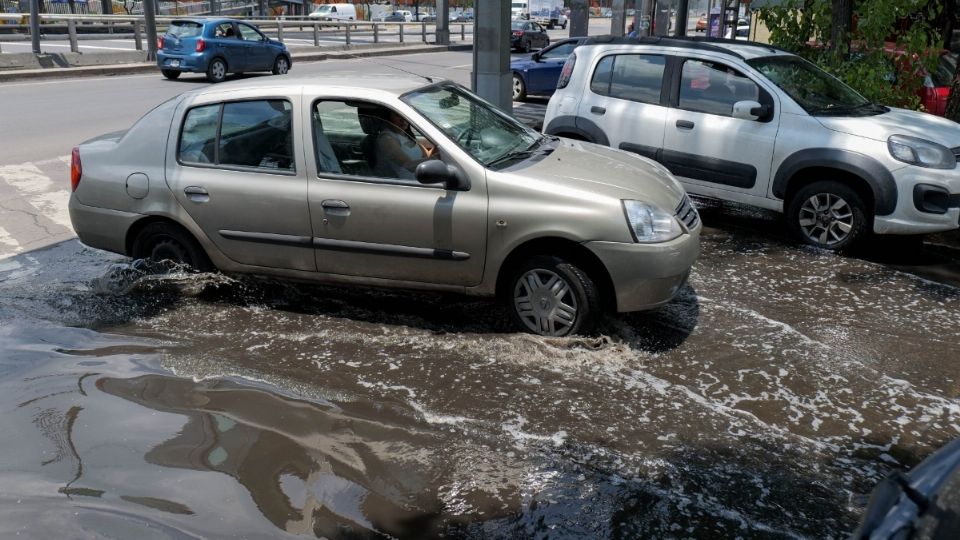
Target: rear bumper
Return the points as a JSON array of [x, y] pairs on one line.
[[190, 62], [101, 228], [645, 276]]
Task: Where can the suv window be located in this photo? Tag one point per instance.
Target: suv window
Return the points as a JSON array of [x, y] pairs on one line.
[[250, 134], [713, 88], [637, 77]]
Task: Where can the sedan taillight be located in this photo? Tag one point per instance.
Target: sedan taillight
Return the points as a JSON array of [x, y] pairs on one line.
[[201, 44], [517, 33], [76, 168], [159, 42]]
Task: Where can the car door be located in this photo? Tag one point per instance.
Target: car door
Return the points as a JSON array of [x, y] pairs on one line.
[[708, 149], [542, 40], [370, 221], [259, 55], [626, 102], [542, 77], [232, 167], [228, 44]]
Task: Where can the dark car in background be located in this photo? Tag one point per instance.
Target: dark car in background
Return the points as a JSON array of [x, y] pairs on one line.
[[936, 86], [216, 47], [526, 35], [538, 74]]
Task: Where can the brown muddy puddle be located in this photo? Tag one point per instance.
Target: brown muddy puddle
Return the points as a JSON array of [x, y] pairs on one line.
[[765, 402]]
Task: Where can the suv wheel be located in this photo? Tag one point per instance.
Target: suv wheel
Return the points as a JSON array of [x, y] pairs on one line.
[[552, 297], [171, 74], [163, 241], [281, 66], [827, 214], [217, 70], [519, 88]]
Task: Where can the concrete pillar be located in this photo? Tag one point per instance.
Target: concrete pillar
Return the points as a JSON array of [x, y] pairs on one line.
[[619, 20], [491, 53], [645, 17], [683, 11], [443, 22], [150, 24], [579, 18]]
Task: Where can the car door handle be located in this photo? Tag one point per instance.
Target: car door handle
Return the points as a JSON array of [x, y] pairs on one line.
[[685, 124], [598, 110], [196, 194], [335, 203]]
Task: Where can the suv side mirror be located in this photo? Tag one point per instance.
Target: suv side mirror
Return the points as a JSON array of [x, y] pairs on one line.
[[434, 171], [748, 110], [535, 57]]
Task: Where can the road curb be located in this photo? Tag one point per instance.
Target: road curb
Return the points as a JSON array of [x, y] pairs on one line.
[[146, 67]]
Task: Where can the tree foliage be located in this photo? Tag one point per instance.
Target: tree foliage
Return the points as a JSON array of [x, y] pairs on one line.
[[892, 43]]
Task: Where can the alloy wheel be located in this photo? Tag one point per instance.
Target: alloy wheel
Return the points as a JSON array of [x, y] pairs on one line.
[[219, 70], [826, 219], [282, 66], [545, 302]]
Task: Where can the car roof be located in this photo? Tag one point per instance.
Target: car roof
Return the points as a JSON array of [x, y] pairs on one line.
[[203, 20], [393, 85], [741, 49]]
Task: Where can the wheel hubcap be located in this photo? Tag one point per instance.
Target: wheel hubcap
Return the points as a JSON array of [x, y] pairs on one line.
[[826, 219], [219, 70], [169, 250], [516, 87], [545, 302], [282, 67]]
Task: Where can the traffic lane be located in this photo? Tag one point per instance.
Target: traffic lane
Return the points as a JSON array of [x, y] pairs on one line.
[[52, 116], [781, 378]]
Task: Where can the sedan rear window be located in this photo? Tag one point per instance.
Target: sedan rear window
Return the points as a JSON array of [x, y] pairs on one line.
[[185, 29]]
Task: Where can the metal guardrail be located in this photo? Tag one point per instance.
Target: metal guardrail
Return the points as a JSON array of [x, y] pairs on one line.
[[278, 25]]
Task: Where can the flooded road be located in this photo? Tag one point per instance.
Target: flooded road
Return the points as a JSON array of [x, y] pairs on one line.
[[765, 402]]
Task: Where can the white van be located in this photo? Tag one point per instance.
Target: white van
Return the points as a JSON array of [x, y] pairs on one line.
[[335, 12]]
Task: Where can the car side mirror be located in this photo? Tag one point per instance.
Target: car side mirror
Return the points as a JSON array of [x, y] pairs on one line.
[[535, 57], [434, 171], [748, 110]]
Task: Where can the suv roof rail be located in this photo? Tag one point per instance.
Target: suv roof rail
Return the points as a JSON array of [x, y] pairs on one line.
[[688, 42]]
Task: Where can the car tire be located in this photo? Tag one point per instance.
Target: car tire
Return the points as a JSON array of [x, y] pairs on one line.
[[164, 241], [281, 65], [564, 26], [546, 44], [217, 70], [171, 74], [519, 88], [550, 296], [827, 214], [525, 45]]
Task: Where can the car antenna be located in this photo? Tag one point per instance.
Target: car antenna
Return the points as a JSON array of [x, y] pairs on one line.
[[429, 79]]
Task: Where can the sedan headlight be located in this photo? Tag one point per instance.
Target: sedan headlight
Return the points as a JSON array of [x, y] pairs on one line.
[[921, 152], [649, 224]]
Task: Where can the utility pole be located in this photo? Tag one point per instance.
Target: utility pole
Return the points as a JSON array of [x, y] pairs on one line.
[[645, 17], [443, 22], [35, 25], [683, 12], [619, 19], [579, 18], [491, 53], [150, 22]]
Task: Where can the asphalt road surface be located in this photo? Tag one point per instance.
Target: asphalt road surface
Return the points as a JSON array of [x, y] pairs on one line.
[[765, 402]]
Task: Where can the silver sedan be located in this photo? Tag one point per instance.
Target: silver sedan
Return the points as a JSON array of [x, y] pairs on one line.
[[389, 182]]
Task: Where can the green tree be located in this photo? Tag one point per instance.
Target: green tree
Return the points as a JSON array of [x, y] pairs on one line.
[[881, 52]]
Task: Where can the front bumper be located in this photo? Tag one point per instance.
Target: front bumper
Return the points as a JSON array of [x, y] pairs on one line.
[[907, 218], [190, 62], [645, 276], [101, 228]]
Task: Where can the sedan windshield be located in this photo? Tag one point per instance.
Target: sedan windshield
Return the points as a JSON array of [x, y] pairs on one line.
[[818, 92], [490, 136]]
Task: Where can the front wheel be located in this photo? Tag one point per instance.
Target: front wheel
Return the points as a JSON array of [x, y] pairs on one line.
[[171, 74], [281, 65], [519, 88], [828, 215], [550, 296], [217, 70], [167, 242]]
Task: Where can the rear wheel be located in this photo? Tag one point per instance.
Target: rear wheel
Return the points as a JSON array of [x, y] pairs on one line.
[[217, 70], [828, 215], [171, 74], [167, 242], [525, 45], [281, 65], [552, 297], [519, 88]]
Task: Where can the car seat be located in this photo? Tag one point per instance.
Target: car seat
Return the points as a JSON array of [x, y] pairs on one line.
[[326, 158]]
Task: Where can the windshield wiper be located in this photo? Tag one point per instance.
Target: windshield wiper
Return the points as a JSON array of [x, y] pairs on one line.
[[519, 154]]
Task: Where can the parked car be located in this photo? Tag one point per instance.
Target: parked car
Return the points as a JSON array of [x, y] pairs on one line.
[[526, 35], [461, 17], [936, 85], [396, 16], [701, 24], [408, 184], [746, 122], [538, 74], [217, 47], [335, 12]]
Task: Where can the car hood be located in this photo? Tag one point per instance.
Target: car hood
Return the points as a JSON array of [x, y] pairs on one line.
[[897, 122], [599, 170]]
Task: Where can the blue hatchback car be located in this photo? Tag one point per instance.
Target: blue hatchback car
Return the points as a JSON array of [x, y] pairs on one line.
[[538, 74], [217, 47]]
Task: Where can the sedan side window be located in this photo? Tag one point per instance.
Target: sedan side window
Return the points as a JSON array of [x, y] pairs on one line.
[[713, 88], [637, 77], [246, 134], [248, 33]]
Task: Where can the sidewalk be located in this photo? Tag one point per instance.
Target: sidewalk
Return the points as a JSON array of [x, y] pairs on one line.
[[20, 66]]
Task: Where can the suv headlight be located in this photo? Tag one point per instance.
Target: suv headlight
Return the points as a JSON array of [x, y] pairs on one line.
[[649, 224], [921, 152]]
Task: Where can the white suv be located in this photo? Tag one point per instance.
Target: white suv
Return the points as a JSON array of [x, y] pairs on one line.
[[750, 123]]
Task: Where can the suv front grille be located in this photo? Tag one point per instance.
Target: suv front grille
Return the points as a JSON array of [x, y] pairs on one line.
[[687, 214]]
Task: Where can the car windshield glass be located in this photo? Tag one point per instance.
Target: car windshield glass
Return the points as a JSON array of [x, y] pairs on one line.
[[477, 126], [323, 9], [818, 92], [184, 29]]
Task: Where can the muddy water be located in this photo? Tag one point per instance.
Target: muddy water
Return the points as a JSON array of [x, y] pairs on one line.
[[767, 401]]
